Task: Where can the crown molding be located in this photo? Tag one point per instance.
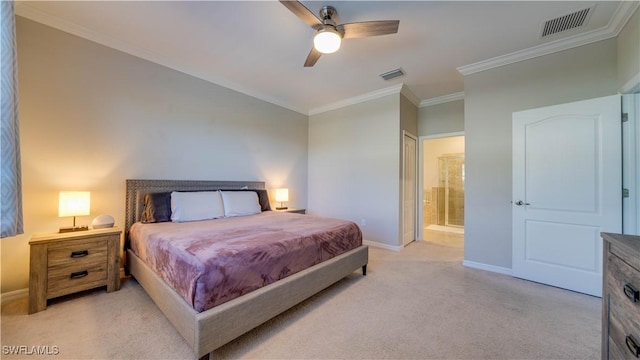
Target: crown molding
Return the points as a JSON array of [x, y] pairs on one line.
[[623, 13], [410, 95], [442, 99], [24, 10], [395, 89], [537, 51], [632, 86]]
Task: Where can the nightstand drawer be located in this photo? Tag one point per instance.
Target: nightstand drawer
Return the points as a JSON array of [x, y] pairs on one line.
[[70, 279], [73, 252]]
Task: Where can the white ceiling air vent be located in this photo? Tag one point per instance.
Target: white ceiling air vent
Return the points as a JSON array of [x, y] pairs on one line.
[[392, 74], [566, 22]]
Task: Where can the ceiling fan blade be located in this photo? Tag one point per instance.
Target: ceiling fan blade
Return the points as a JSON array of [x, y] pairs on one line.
[[368, 28], [302, 12], [312, 58]]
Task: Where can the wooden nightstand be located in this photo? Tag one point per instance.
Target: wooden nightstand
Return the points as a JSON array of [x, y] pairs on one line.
[[65, 263], [294, 211]]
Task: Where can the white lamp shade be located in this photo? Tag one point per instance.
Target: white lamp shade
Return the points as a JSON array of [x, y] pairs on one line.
[[74, 203], [282, 195], [327, 41]]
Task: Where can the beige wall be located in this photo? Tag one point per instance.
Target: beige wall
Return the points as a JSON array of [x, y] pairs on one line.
[[442, 118], [353, 166], [490, 99], [629, 53], [408, 117], [91, 117]]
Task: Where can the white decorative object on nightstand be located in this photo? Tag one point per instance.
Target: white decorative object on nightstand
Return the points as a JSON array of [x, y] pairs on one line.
[[102, 221]]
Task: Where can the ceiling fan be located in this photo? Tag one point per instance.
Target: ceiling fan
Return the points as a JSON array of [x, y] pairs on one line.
[[329, 35]]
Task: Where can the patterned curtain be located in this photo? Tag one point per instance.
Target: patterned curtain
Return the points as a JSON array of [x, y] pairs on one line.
[[10, 182]]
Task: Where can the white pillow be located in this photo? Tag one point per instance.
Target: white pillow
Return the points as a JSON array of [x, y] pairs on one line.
[[198, 205], [239, 203]]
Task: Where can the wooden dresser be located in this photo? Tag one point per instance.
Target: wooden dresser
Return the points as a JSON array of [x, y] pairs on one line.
[[66, 263], [621, 297]]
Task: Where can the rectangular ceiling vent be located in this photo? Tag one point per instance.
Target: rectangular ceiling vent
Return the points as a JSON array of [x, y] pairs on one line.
[[566, 22], [392, 74]]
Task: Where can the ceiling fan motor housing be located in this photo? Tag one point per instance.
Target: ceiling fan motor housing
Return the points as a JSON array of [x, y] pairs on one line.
[[327, 13]]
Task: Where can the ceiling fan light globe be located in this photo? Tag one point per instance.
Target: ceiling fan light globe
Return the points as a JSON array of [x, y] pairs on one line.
[[327, 41]]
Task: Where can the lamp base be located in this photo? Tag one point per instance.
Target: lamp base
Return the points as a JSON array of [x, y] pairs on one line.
[[282, 208], [72, 229]]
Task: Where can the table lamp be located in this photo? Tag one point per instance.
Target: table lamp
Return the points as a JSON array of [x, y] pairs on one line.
[[74, 203], [282, 195]]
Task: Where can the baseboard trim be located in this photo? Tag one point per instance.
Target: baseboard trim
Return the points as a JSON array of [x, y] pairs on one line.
[[14, 295], [487, 267], [382, 246]]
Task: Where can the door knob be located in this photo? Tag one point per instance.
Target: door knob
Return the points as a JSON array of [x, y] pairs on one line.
[[520, 203]]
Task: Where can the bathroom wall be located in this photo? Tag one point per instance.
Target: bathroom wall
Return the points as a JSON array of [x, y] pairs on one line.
[[451, 169], [432, 149]]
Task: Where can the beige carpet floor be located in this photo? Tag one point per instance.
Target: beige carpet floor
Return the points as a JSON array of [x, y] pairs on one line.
[[420, 303]]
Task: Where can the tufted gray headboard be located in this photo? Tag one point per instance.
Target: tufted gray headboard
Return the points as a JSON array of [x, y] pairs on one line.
[[136, 190]]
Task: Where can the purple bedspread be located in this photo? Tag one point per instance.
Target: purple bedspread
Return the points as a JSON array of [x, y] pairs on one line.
[[211, 262]]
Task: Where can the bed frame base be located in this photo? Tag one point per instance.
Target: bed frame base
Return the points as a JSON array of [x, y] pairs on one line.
[[211, 329]]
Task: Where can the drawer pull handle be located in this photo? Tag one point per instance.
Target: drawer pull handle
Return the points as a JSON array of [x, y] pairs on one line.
[[632, 344], [79, 274], [80, 253], [632, 293]]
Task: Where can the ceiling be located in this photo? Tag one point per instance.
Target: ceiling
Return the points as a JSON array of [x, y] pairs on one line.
[[259, 47]]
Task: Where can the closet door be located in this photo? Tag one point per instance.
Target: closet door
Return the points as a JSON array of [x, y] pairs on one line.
[[409, 189]]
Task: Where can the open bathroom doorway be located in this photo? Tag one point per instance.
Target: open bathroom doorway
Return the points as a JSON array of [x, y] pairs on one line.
[[443, 176]]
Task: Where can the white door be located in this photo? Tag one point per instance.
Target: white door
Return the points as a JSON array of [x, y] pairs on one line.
[[631, 164], [409, 189], [567, 189]]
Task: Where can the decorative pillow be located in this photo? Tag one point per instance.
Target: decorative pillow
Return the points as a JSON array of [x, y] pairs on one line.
[[157, 207], [240, 203], [194, 206], [263, 197]]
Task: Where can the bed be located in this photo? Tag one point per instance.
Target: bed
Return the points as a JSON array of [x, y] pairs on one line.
[[209, 324]]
